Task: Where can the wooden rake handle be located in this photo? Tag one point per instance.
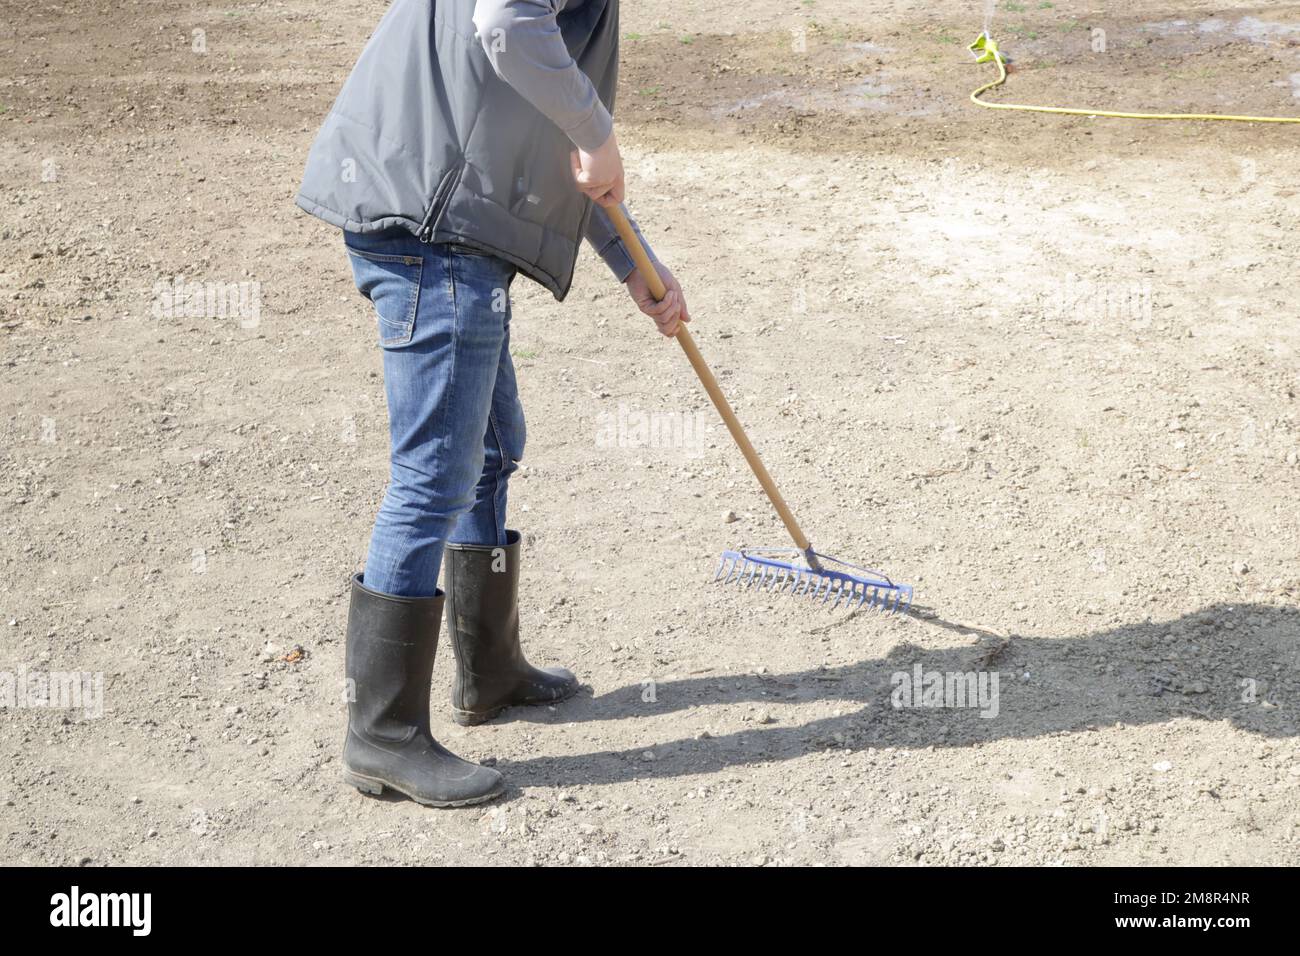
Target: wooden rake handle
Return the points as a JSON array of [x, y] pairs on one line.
[[651, 276]]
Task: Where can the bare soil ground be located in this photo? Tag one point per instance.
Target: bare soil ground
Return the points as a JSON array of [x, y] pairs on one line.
[[1044, 369]]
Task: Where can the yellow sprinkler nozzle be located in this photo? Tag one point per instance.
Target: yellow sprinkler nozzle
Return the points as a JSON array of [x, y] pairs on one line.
[[984, 49]]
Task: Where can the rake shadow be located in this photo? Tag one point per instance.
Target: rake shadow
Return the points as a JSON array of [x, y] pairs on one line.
[[1124, 675]]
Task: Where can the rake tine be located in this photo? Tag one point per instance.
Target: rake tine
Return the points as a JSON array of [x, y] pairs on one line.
[[737, 569]]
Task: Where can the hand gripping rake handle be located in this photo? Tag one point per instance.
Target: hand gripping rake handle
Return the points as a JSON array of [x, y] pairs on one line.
[[651, 276]]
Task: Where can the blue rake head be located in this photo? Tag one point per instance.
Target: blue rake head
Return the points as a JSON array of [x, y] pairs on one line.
[[781, 570]]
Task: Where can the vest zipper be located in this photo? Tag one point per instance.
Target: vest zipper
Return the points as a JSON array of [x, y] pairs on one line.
[[440, 198]]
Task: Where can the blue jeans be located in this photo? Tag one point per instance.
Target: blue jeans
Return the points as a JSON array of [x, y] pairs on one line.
[[456, 427]]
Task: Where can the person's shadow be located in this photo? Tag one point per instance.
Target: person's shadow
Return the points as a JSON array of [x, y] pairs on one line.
[[1239, 663]]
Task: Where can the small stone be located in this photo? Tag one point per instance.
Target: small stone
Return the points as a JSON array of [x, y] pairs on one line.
[[1162, 766], [730, 517], [648, 756], [1241, 569]]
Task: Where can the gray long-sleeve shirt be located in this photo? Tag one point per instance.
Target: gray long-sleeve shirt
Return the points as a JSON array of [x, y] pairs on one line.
[[524, 44], [525, 47]]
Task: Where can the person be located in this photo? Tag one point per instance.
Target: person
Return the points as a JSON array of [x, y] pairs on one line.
[[472, 142]]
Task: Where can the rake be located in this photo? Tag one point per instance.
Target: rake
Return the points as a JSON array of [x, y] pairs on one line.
[[799, 570]]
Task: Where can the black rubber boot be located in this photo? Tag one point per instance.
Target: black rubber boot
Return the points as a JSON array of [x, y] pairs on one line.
[[483, 621], [390, 651]]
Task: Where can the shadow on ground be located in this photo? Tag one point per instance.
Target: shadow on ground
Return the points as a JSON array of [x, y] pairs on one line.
[[1238, 663]]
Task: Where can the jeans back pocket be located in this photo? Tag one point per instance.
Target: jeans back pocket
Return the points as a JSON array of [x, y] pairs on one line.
[[392, 284]]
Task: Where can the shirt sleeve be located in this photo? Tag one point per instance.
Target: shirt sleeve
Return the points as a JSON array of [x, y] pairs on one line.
[[609, 245], [526, 49]]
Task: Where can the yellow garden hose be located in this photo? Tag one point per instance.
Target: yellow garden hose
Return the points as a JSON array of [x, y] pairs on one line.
[[985, 49]]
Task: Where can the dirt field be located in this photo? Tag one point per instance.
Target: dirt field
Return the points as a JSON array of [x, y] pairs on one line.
[[1042, 368]]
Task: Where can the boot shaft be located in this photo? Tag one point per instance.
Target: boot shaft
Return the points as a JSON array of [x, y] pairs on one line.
[[392, 642], [482, 600]]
